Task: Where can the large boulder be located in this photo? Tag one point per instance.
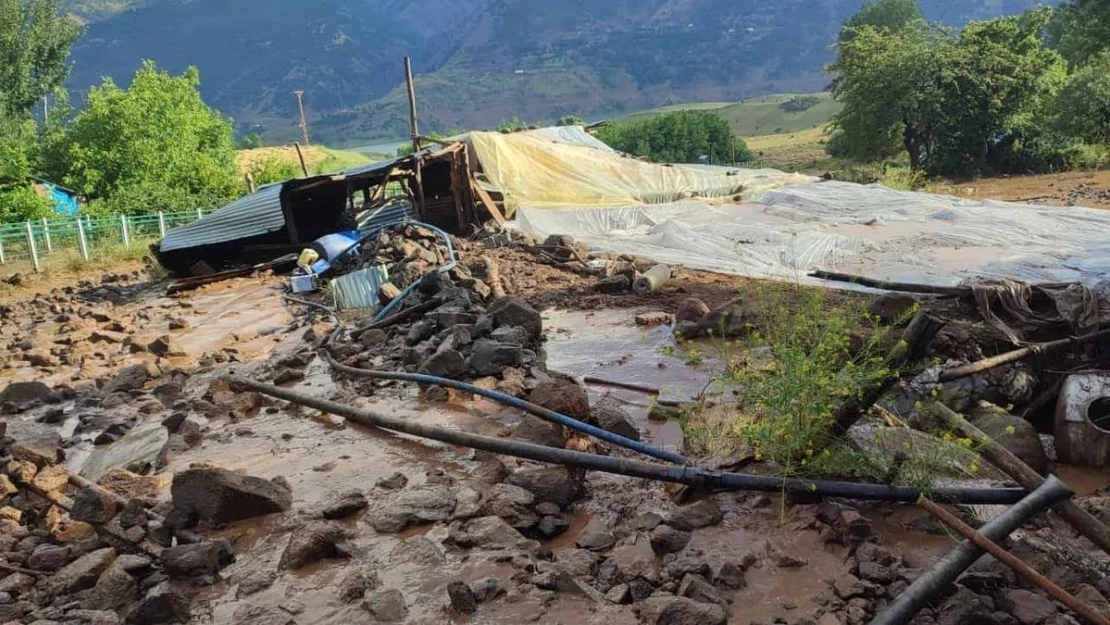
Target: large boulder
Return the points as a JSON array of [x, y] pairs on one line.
[[218, 496], [316, 540], [562, 396], [82, 573], [23, 395], [1012, 432], [557, 485], [512, 503], [492, 357], [114, 588], [427, 504], [680, 611], [608, 415], [131, 378], [516, 312]]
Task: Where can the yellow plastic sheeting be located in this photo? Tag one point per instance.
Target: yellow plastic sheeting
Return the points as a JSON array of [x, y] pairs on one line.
[[548, 169]]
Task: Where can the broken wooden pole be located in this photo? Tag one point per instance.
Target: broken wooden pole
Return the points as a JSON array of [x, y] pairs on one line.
[[300, 156], [413, 126], [1017, 355], [1012, 561], [1023, 474]]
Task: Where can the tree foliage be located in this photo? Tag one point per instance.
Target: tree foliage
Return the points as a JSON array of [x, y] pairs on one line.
[[891, 16], [1083, 107], [34, 48], [158, 135], [678, 137], [965, 103], [570, 120], [1081, 30]]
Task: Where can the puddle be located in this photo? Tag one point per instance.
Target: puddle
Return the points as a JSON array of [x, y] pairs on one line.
[[1084, 482]]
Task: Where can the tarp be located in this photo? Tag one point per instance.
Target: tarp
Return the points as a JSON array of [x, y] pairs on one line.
[[771, 224], [561, 168]]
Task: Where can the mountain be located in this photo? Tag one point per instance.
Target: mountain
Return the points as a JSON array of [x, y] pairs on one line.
[[477, 61]]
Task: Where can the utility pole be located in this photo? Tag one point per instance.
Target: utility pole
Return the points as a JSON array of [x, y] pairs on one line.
[[304, 123], [45, 110], [412, 106]]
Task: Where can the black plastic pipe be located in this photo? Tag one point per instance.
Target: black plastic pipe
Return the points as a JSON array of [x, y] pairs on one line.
[[635, 468], [911, 600]]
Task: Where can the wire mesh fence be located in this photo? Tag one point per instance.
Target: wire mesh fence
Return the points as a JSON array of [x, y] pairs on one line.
[[35, 241]]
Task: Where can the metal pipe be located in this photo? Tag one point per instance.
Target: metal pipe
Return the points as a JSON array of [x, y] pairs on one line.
[[635, 468], [907, 604], [1026, 571], [515, 402]]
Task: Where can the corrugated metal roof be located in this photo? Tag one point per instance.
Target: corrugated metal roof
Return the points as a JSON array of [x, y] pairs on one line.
[[359, 289], [249, 216], [395, 211]]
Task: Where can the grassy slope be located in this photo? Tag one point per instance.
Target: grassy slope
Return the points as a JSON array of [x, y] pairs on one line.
[[760, 116], [318, 158]]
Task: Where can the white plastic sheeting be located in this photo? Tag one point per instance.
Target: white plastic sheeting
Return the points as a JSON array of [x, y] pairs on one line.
[[867, 230]]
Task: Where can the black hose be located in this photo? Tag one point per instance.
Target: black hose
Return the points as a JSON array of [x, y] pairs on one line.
[[911, 600], [635, 468]]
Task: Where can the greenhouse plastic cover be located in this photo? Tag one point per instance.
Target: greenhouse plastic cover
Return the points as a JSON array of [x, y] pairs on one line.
[[563, 181]]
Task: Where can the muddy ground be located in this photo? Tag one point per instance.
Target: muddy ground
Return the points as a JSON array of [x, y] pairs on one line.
[[369, 526]]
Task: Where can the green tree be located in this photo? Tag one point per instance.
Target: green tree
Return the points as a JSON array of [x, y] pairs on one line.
[[157, 135], [678, 137], [1081, 30], [1082, 109], [251, 141], [34, 50], [890, 16], [570, 120], [18, 200], [274, 169]]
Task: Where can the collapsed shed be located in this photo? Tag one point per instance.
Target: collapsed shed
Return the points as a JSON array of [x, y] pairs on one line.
[[432, 186]]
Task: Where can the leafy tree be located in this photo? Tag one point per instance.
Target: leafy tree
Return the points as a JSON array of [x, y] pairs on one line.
[[34, 47], [1083, 107], [274, 169], [678, 137], [1081, 30], [570, 120], [18, 150], [890, 16], [158, 135], [250, 142]]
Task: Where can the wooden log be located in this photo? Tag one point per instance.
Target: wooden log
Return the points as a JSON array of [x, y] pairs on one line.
[[905, 287], [388, 292], [1012, 561], [1023, 474], [487, 201]]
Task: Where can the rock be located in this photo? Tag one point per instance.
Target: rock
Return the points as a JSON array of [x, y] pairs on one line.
[[255, 582], [1092, 597], [619, 594], [575, 562], [416, 550], [344, 505], [847, 586], [165, 346], [1029, 607], [445, 364], [133, 514], [697, 588], [487, 589], [287, 375], [23, 395], [193, 560], [1012, 432], [142, 450], [397, 481], [6, 486], [892, 307], [875, 572], [114, 588], [462, 598], [595, 536], [731, 575], [130, 378], [788, 561], [694, 516], [219, 496], [609, 416], [426, 504], [690, 560], [680, 611], [92, 505], [387, 605], [653, 319], [666, 539], [82, 573], [517, 312], [491, 357], [178, 323], [250, 614], [640, 589], [314, 541], [16, 583], [552, 526], [532, 429], [51, 479], [93, 617], [613, 285], [48, 557], [562, 396], [161, 605], [512, 503], [849, 526], [691, 310], [489, 532], [355, 584], [646, 522]]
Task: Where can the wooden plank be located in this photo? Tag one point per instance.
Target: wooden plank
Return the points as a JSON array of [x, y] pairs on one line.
[[488, 202]]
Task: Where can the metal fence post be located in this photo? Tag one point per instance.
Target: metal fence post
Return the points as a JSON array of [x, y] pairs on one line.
[[2, 259], [123, 231], [31, 247], [46, 236], [200, 213], [82, 244], [161, 224]]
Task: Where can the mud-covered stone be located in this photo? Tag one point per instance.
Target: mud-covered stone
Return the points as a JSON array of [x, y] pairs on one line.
[[491, 357], [387, 605], [191, 560], [425, 504], [666, 539], [487, 589], [703, 513], [516, 312], [699, 589], [314, 541], [355, 585], [250, 614], [462, 598], [608, 415], [1028, 607], [92, 505], [1012, 432], [691, 310], [344, 504], [131, 378], [161, 605], [82, 573], [255, 582], [562, 396], [731, 576], [512, 503], [114, 588], [489, 532], [166, 346], [218, 496], [553, 525], [680, 611], [446, 364], [417, 550], [23, 395], [48, 557], [532, 429], [395, 481], [557, 485]]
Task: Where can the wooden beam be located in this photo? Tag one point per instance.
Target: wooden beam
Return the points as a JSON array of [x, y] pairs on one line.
[[412, 107], [488, 202]]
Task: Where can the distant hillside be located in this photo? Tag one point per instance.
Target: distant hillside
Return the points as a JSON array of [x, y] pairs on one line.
[[774, 114], [478, 61]]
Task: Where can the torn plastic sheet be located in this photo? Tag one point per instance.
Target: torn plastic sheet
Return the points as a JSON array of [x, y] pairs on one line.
[[861, 229]]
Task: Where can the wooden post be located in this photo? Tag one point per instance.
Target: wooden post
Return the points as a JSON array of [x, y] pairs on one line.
[[82, 243], [2, 259], [46, 233], [124, 234], [31, 249], [300, 155], [200, 213], [304, 121], [162, 223], [412, 107], [251, 188]]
